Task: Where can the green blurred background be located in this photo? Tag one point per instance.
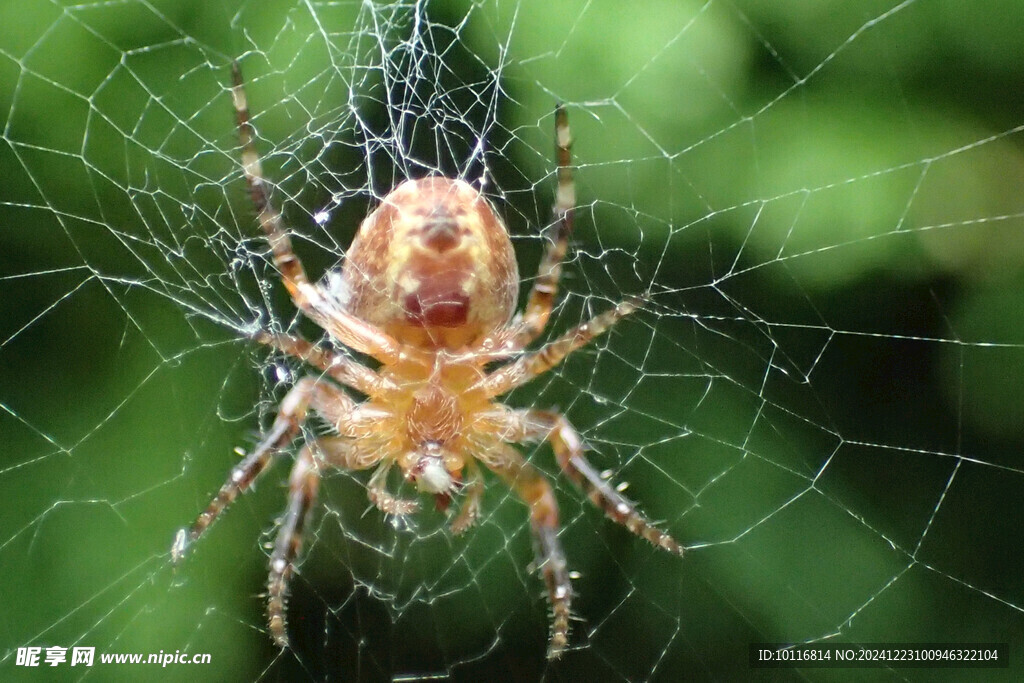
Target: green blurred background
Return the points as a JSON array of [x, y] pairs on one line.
[[822, 401]]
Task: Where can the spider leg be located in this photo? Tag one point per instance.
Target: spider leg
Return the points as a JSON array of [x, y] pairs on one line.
[[336, 451], [303, 485], [308, 393], [545, 287], [270, 218], [470, 509], [348, 329], [338, 367], [528, 366], [569, 451], [286, 425], [531, 486], [385, 501]]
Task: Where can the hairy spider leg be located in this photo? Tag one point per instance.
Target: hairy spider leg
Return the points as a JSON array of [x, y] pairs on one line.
[[308, 393], [269, 217], [338, 367], [534, 490], [344, 327], [336, 407], [470, 508], [286, 426], [542, 295], [345, 452], [569, 452], [528, 366], [384, 500], [303, 484]]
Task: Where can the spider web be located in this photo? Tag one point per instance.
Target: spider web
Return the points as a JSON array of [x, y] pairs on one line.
[[821, 401]]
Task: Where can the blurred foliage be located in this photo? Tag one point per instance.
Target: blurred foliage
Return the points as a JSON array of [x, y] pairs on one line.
[[825, 197]]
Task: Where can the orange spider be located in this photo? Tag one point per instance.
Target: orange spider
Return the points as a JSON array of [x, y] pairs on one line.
[[428, 289]]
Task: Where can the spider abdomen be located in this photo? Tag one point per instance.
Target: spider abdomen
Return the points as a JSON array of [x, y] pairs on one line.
[[432, 265]]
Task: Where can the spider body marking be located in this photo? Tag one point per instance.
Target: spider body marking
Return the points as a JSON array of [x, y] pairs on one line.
[[428, 289], [432, 266]]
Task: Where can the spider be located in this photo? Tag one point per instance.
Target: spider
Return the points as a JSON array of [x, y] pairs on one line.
[[428, 289]]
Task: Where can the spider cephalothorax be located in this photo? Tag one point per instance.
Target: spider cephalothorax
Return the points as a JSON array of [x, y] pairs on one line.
[[428, 289]]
